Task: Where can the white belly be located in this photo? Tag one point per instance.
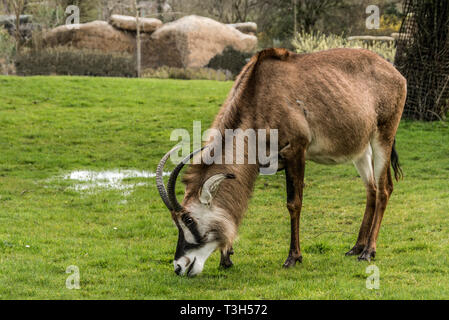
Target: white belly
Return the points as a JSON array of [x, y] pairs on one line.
[[323, 153]]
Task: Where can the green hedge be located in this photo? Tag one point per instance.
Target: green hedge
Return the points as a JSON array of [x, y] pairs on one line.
[[187, 74], [231, 60], [7, 51], [68, 61]]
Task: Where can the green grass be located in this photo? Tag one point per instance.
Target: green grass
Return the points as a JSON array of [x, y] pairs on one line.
[[53, 125]]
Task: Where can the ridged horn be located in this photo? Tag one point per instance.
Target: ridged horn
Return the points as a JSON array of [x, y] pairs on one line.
[[171, 187], [160, 180]]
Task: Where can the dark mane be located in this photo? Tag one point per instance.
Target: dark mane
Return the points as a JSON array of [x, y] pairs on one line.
[[237, 101]]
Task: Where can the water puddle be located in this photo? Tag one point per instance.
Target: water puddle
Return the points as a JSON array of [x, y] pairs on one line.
[[120, 180]]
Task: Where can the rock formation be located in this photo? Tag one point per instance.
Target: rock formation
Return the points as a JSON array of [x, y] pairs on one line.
[[147, 25], [189, 42], [192, 42]]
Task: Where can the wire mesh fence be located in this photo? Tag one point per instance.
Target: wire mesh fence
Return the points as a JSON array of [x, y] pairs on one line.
[[423, 58]]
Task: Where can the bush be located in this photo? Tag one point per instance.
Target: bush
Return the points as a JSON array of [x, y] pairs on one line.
[[7, 51], [187, 74], [313, 42], [75, 62], [389, 24], [231, 60]]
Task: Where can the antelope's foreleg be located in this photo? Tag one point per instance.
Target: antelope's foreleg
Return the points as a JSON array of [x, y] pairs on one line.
[[294, 172], [225, 259]]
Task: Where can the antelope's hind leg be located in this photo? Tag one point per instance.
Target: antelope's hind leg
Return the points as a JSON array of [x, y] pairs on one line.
[[364, 166], [382, 149]]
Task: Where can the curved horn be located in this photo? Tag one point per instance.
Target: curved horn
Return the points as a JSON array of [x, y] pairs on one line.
[[160, 179], [172, 181]]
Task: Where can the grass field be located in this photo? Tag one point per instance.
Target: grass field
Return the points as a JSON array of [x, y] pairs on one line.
[[123, 241]]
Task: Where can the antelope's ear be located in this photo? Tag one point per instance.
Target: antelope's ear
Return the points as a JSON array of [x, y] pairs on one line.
[[210, 187]]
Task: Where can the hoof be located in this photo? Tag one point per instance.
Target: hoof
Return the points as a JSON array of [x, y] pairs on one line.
[[367, 255], [226, 263], [225, 260], [356, 250], [291, 261]]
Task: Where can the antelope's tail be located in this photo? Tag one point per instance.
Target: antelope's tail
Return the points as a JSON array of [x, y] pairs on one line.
[[398, 173]]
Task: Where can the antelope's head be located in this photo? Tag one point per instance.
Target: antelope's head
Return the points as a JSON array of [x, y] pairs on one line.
[[203, 227]]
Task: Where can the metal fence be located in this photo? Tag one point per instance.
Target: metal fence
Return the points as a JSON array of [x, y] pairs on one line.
[[423, 58]]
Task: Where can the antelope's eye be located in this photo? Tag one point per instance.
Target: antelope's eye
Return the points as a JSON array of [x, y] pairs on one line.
[[187, 220]]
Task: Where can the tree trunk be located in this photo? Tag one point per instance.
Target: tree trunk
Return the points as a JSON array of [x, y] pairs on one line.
[[160, 9], [18, 6]]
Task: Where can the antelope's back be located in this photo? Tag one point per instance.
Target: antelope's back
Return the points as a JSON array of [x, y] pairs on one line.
[[340, 93]]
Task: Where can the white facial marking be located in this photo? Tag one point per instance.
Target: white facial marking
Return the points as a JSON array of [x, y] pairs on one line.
[[188, 236], [196, 256], [206, 218]]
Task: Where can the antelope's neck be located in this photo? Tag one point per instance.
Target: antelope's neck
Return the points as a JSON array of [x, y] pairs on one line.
[[233, 195]]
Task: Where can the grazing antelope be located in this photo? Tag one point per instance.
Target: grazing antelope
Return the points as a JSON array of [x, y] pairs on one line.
[[329, 107]]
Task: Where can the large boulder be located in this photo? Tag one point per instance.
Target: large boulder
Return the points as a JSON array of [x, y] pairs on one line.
[[245, 27], [97, 35], [192, 42], [147, 25]]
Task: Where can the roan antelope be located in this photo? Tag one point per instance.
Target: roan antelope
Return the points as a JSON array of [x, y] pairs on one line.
[[351, 103]]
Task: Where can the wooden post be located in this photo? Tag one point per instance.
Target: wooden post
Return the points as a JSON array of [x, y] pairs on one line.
[[139, 44], [18, 6], [160, 9]]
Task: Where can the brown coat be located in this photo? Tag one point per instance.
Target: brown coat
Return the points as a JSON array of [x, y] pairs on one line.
[[329, 107], [339, 95]]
